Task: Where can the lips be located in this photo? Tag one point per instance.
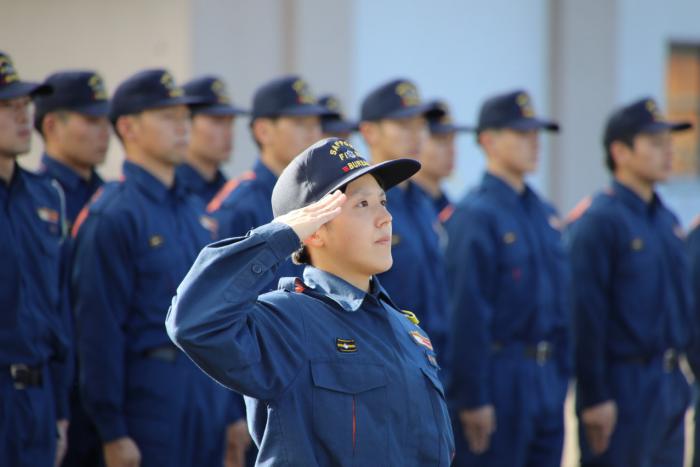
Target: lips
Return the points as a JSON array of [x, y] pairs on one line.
[[384, 240]]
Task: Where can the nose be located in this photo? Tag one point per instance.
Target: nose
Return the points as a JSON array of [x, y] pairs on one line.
[[384, 217]]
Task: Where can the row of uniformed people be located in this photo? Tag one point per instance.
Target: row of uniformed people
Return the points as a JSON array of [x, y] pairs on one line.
[[506, 265], [513, 280], [140, 400]]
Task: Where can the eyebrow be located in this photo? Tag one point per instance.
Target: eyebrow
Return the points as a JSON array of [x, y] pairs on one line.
[[366, 192]]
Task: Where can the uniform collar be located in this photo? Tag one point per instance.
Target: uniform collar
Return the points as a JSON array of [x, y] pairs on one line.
[[264, 175], [68, 177], [17, 180], [349, 297], [194, 180], [633, 200], [503, 190], [148, 183]]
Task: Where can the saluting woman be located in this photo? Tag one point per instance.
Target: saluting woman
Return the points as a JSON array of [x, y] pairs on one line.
[[333, 372]]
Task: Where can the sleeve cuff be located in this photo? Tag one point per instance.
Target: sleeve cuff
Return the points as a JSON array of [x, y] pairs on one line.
[[281, 238], [111, 429]]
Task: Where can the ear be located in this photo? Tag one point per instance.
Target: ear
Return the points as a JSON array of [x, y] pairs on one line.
[[316, 240], [370, 132], [48, 124], [262, 129], [125, 127], [485, 138], [620, 152]]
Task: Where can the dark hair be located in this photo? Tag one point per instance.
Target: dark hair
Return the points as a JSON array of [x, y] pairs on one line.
[[301, 256], [627, 140]]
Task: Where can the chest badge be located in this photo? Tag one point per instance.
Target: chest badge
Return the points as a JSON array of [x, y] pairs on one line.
[[210, 224], [345, 345], [555, 222], [678, 232], [422, 340], [48, 215], [637, 244], [155, 241], [509, 238]]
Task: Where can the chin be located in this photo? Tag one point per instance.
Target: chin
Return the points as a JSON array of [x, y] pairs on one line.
[[382, 265]]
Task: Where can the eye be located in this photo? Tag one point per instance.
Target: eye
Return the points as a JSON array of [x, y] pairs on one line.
[[383, 202], [362, 204]]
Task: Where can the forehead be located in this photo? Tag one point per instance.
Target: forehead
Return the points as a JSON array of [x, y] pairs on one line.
[[366, 184], [293, 120]]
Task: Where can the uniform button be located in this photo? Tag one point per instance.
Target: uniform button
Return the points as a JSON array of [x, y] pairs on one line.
[[256, 268]]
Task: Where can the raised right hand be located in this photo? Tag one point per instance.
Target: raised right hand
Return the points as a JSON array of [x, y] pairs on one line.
[[478, 426], [122, 452], [307, 220]]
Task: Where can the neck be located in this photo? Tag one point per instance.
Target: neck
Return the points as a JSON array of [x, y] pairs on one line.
[[162, 171], [430, 184], [513, 179], [642, 188], [83, 171], [359, 280], [272, 162], [7, 168], [204, 167]]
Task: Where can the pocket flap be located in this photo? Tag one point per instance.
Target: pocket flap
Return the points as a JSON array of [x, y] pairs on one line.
[[435, 380], [349, 378]]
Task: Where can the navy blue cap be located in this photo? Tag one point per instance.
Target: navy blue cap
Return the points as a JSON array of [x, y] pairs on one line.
[[512, 110], [327, 166], [642, 116], [334, 122], [286, 96], [10, 84], [148, 89], [78, 91], [393, 100], [214, 96], [440, 120]]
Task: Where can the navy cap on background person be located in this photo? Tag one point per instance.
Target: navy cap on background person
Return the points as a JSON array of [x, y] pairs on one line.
[[214, 97], [328, 165], [80, 91], [334, 121], [285, 96], [642, 116], [147, 89], [512, 110], [393, 100], [440, 120], [11, 86]]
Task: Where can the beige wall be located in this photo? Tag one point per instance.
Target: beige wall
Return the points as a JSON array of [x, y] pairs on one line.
[[114, 38]]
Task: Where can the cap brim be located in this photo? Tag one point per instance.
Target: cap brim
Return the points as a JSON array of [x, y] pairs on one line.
[[391, 173], [524, 124], [23, 88], [412, 111], [443, 129], [338, 126], [171, 101], [304, 110], [95, 109], [664, 126], [222, 110]]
